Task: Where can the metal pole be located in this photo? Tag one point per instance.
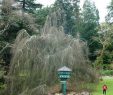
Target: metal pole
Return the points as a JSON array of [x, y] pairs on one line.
[[64, 87]]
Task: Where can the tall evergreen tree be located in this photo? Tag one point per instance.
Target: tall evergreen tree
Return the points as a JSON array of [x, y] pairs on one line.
[[109, 17], [90, 25], [77, 14], [70, 14], [29, 5]]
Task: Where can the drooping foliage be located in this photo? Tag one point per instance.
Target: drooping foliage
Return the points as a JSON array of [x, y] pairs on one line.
[[36, 59]]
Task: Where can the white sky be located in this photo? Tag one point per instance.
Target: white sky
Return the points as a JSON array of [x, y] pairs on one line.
[[100, 4]]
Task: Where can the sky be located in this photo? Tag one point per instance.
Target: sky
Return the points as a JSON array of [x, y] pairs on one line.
[[100, 4]]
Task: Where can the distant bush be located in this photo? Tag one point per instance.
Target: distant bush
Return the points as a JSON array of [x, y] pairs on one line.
[[107, 72]]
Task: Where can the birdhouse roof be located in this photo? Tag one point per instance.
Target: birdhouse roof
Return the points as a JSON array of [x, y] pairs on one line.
[[65, 69]]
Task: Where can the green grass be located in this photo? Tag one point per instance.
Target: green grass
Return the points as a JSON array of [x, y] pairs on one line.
[[109, 82]]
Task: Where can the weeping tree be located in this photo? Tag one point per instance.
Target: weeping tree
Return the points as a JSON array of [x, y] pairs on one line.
[[36, 59]]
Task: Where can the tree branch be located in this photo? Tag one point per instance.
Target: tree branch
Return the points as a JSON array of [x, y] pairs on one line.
[[6, 27], [7, 45]]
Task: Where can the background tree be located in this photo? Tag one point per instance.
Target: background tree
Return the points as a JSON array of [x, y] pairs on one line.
[[29, 5], [41, 15], [105, 54], [90, 26], [11, 22], [70, 15], [78, 18], [109, 17], [105, 39]]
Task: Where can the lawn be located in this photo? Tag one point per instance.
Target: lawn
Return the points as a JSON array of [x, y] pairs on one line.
[[109, 82]]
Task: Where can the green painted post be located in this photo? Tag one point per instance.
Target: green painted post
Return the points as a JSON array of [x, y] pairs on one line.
[[64, 88], [64, 74]]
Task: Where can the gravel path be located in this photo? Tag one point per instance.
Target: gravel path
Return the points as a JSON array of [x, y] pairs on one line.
[[107, 77], [73, 93]]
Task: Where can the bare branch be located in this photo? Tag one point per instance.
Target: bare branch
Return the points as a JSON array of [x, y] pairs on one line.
[[6, 28], [7, 45]]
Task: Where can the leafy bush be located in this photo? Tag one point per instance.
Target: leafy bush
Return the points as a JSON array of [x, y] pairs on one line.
[[107, 72]]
